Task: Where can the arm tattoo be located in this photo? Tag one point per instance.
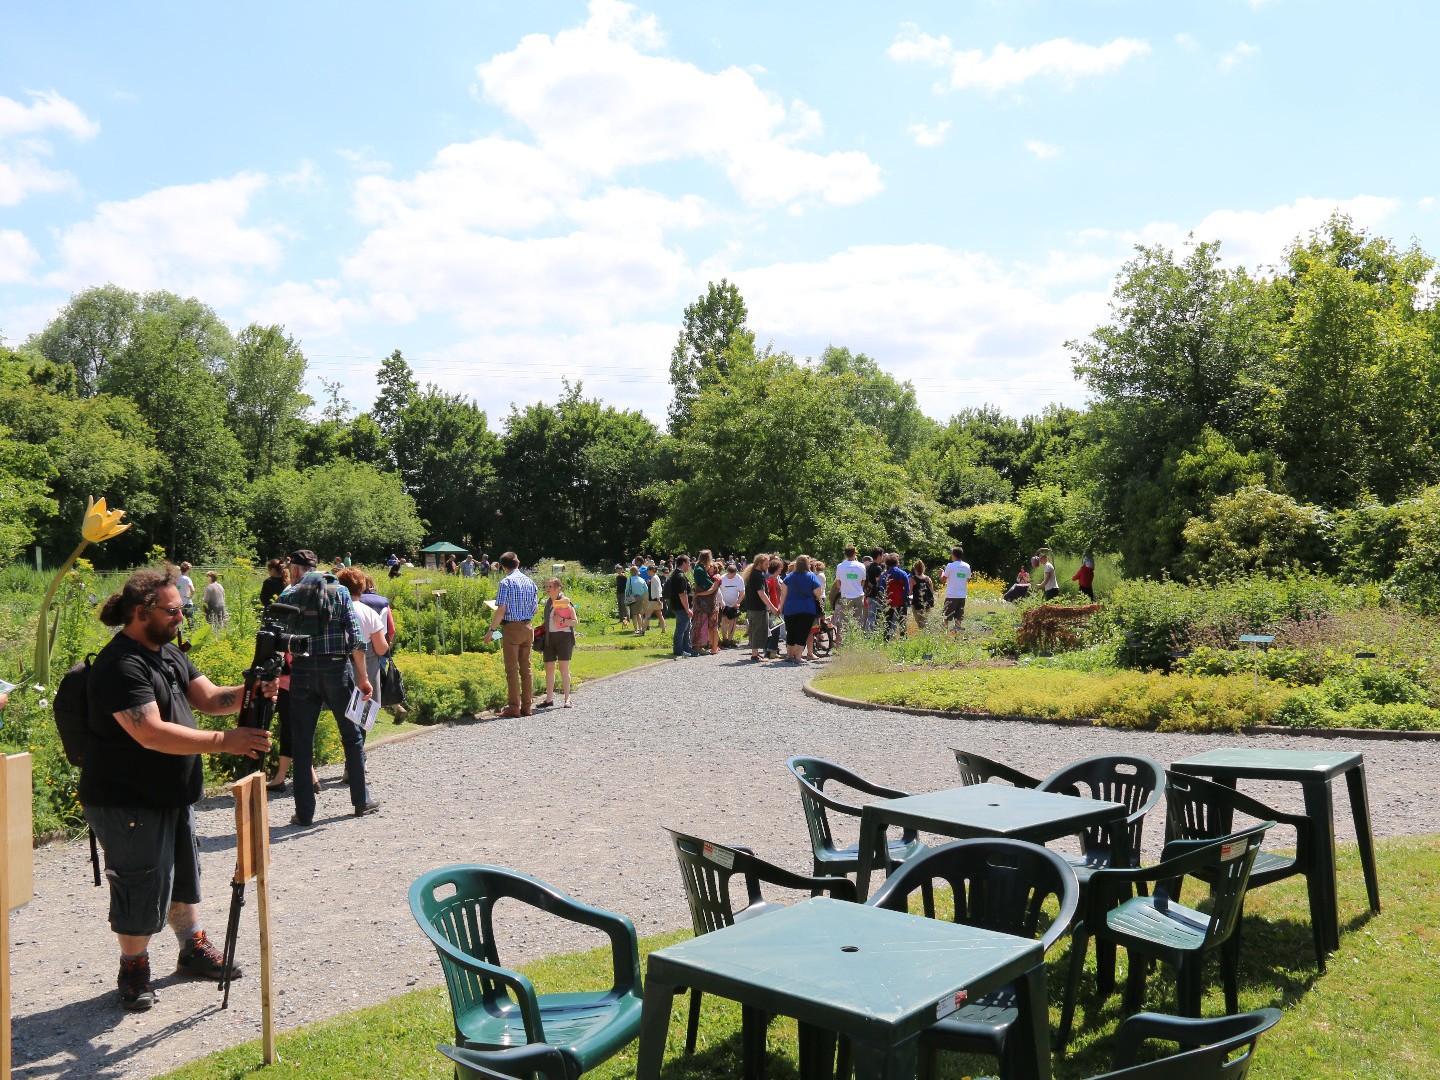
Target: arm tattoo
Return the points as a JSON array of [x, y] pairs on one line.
[[225, 699], [135, 715]]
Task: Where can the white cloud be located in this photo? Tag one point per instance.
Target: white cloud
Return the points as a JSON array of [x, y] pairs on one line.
[[23, 146], [306, 177], [47, 110], [598, 99], [363, 160], [17, 256], [928, 134], [964, 327], [1256, 238], [1042, 150], [1004, 67], [1187, 42], [187, 238], [308, 310], [1242, 50]]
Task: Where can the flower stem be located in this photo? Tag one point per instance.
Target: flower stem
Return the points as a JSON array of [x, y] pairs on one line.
[[42, 636]]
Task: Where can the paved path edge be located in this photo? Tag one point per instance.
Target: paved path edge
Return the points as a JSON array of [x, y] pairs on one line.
[[1372, 734]]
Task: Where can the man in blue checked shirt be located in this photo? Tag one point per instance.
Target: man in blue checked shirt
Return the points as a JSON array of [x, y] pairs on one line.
[[322, 679], [515, 604]]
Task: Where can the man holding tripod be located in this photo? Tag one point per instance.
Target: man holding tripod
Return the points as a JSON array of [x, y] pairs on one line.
[[322, 679], [141, 777]]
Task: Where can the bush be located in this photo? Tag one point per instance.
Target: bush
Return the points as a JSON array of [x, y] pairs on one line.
[[446, 687]]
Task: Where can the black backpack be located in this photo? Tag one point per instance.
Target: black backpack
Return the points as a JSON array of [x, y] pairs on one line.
[[72, 710]]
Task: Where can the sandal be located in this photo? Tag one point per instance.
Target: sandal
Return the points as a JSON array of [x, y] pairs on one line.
[[544, 704], [567, 703]]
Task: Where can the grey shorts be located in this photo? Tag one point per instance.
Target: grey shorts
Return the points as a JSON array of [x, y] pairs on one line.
[[558, 646], [151, 860]]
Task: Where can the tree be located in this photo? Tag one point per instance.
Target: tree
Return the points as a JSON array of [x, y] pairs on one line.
[[712, 341], [447, 459], [337, 507], [773, 460], [1358, 375], [589, 470], [264, 396], [880, 400], [1256, 529], [92, 329], [397, 390]]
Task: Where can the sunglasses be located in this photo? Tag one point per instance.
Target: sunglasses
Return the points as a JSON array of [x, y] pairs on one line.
[[171, 611]]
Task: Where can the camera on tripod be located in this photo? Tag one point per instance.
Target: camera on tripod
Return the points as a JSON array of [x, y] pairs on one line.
[[272, 642]]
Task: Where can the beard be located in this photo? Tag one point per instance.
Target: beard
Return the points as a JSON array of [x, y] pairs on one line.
[[159, 633]]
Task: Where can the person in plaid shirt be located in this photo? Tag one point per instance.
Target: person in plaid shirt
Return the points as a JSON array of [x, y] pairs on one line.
[[322, 679], [515, 602]]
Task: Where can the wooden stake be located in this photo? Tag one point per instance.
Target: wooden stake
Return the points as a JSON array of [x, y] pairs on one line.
[[252, 860], [17, 879]]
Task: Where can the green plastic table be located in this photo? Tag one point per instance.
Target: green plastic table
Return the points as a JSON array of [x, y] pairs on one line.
[[1314, 771], [986, 810], [878, 977]]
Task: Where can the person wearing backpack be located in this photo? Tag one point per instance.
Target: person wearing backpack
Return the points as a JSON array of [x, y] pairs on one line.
[[322, 679], [140, 777], [895, 587]]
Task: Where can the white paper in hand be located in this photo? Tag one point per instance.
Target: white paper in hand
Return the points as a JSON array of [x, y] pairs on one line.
[[362, 712]]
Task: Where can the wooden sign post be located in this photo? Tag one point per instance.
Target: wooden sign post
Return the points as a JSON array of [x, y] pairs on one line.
[[17, 875], [252, 860]]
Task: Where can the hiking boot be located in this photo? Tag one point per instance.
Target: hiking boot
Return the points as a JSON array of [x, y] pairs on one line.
[[368, 807], [134, 983], [202, 960]]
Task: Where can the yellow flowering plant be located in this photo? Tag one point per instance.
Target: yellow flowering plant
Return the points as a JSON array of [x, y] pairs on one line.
[[99, 524]]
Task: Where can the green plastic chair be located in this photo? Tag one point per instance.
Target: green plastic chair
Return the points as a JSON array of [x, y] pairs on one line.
[[812, 774], [1136, 782], [1157, 927], [495, 1008], [978, 769], [1000, 885], [1222, 1048], [707, 869], [521, 1063], [1203, 810]]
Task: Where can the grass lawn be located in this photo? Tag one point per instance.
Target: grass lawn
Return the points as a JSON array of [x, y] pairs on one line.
[[1367, 1016]]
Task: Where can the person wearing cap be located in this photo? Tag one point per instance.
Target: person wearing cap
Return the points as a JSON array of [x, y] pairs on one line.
[[322, 679], [516, 600], [732, 591]]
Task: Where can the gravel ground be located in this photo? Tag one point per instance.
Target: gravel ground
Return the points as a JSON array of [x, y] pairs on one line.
[[575, 797]]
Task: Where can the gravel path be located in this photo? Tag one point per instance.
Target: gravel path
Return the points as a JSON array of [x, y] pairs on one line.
[[574, 797]]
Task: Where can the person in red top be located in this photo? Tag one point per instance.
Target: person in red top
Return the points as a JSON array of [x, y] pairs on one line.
[[1085, 576]]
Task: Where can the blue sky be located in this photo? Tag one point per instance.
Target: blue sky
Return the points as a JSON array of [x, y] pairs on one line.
[[512, 194]]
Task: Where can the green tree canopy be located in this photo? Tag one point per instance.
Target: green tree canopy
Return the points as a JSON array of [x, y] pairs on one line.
[[447, 454], [713, 339], [264, 396], [334, 508]]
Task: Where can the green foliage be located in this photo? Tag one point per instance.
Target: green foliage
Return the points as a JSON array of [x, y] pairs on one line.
[[330, 509], [878, 399], [1255, 529], [713, 340], [265, 401], [447, 687], [990, 535], [446, 454]]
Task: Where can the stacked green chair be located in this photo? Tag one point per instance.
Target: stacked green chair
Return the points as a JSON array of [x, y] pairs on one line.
[[1218, 1049], [1158, 927], [707, 869], [1203, 810], [1000, 885], [495, 1008]]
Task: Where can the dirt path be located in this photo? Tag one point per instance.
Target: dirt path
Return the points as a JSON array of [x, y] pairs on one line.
[[575, 797]]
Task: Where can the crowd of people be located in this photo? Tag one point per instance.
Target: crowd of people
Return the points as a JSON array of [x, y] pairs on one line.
[[781, 600]]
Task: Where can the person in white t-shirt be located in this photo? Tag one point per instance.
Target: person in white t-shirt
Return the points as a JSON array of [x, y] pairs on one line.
[[732, 591], [956, 576], [1049, 584], [850, 573]]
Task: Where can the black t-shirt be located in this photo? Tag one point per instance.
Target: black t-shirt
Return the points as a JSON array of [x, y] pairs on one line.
[[872, 578], [270, 588], [118, 771], [676, 584], [754, 591]]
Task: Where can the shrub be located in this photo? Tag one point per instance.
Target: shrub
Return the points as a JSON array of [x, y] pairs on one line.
[[445, 687], [1052, 627]]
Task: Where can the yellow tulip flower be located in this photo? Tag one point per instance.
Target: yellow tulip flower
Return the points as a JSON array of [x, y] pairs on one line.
[[101, 523]]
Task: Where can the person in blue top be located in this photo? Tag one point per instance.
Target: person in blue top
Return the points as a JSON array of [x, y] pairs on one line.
[[895, 588], [801, 597]]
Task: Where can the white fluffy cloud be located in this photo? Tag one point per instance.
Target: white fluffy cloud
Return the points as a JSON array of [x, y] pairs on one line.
[[17, 256], [1242, 51], [1257, 238], [24, 147], [600, 99], [187, 238], [928, 135], [1004, 67]]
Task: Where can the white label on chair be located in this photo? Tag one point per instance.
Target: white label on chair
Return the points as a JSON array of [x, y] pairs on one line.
[[1232, 850], [720, 856], [945, 1006]]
